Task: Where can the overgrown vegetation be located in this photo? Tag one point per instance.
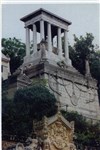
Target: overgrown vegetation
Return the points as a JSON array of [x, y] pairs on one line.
[[84, 49], [28, 104], [86, 132], [35, 102], [15, 49]]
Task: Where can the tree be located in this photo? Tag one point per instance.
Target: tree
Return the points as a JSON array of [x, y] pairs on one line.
[[95, 68], [95, 65], [39, 100], [87, 134], [15, 49], [83, 49], [28, 104]]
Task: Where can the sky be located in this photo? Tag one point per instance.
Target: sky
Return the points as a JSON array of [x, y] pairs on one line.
[[84, 18], [51, 0]]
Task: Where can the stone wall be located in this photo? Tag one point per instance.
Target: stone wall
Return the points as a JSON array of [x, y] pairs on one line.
[[74, 90], [77, 92]]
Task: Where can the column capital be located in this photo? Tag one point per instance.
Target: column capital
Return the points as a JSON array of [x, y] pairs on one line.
[[66, 30]]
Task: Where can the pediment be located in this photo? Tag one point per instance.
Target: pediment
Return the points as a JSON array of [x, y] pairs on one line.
[[60, 119]]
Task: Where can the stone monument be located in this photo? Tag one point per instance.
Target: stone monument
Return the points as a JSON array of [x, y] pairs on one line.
[[56, 133], [51, 62]]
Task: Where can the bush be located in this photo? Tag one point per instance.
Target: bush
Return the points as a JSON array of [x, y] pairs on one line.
[[28, 104], [87, 134]]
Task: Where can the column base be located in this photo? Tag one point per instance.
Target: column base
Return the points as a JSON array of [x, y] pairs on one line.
[[60, 55], [68, 62], [26, 58]]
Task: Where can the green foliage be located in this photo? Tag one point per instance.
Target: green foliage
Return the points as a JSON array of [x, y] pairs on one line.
[[95, 68], [38, 98], [81, 51], [15, 49], [28, 104], [95, 65], [84, 49], [8, 117], [80, 121], [86, 132]]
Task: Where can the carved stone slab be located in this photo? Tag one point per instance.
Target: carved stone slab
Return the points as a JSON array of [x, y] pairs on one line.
[[57, 133]]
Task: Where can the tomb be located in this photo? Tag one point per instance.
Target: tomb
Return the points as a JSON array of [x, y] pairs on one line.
[[47, 57]]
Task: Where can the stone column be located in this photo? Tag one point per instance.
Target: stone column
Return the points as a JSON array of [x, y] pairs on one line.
[[66, 45], [87, 68], [34, 38], [66, 48], [41, 30], [27, 41], [59, 42], [49, 38]]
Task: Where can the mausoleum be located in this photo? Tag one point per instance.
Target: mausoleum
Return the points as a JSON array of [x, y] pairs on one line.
[[47, 57]]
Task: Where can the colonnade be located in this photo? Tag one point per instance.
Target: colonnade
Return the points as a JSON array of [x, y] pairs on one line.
[[49, 39]]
